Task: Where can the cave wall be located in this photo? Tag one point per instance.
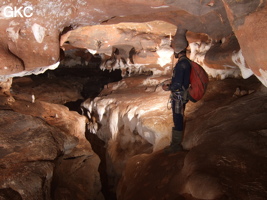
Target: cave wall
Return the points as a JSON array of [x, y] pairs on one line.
[[248, 24], [226, 37], [32, 44], [44, 153]]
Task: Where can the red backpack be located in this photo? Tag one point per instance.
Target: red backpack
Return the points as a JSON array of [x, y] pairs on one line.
[[199, 80]]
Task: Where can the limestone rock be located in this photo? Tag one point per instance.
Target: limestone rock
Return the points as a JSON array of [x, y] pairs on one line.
[[28, 148], [225, 152], [35, 139]]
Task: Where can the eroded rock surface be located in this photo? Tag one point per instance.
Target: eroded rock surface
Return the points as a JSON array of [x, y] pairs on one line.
[[48, 28], [28, 148], [225, 156], [226, 37], [43, 146]]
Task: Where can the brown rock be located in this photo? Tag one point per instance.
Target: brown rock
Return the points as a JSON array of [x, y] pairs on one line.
[[225, 152], [28, 148], [32, 146]]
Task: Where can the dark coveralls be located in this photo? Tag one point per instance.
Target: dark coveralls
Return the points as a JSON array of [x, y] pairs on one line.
[[179, 85]]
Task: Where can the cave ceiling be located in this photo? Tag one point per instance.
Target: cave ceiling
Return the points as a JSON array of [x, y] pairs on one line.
[[227, 37]]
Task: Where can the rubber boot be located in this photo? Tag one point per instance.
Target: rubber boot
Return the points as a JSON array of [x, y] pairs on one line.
[[176, 142]]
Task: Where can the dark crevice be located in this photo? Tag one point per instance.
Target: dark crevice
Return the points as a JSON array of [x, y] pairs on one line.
[[91, 88], [98, 147], [9, 193], [105, 21], [93, 80]]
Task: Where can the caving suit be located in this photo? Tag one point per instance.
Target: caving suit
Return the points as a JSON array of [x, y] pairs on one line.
[[179, 85]]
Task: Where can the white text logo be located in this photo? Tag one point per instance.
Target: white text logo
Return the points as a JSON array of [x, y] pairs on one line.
[[18, 12]]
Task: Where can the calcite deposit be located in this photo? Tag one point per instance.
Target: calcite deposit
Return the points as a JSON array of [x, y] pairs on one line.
[[225, 151], [45, 151], [45, 27]]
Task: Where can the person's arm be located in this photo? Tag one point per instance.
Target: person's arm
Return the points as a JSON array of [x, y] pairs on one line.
[[177, 78]]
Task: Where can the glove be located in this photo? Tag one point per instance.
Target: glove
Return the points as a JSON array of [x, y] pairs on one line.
[[166, 87]]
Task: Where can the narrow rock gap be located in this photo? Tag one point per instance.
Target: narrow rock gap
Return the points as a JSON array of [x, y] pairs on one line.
[[91, 89], [70, 86], [98, 147]]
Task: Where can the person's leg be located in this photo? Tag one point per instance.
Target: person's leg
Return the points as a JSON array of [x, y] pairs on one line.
[[178, 122], [178, 119], [177, 131]]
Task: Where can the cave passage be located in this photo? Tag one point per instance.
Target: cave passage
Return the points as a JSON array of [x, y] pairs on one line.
[[96, 79]]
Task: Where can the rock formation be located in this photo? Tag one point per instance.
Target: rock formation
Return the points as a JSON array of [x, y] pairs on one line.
[[225, 152], [44, 150], [41, 25]]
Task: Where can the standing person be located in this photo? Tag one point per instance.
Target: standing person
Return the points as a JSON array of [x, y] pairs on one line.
[[179, 91]]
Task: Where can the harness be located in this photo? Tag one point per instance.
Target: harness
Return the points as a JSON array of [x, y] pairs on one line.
[[180, 98]]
